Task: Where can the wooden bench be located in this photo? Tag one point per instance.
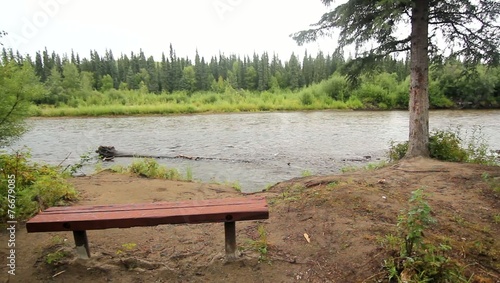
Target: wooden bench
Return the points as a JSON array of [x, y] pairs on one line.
[[79, 219]]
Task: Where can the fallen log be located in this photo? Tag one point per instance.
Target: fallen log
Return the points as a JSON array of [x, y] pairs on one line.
[[108, 153]]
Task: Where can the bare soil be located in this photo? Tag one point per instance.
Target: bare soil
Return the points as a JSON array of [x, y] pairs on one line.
[[344, 216]]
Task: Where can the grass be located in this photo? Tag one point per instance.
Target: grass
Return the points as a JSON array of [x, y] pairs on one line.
[[130, 102], [306, 173], [150, 168], [260, 245]]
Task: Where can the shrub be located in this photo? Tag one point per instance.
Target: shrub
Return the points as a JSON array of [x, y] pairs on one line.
[[448, 145], [306, 98], [418, 259], [36, 186]]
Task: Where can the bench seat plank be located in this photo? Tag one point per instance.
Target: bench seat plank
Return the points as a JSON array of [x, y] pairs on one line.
[[81, 218]]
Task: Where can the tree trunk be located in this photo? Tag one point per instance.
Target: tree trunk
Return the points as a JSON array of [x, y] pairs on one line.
[[419, 81]]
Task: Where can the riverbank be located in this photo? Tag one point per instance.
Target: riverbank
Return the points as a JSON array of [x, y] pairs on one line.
[[127, 103], [346, 218]]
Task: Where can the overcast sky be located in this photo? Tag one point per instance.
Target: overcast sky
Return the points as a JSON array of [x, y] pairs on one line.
[[239, 27]]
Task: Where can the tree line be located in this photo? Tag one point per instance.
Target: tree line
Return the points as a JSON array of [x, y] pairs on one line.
[[63, 74], [383, 86]]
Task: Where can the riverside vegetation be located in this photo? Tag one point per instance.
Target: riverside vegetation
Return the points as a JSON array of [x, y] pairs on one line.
[[103, 85]]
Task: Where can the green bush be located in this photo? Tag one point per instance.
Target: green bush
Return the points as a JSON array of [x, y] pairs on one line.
[[448, 145], [36, 186], [306, 98], [420, 260]]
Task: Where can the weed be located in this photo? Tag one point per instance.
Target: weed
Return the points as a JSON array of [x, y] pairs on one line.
[[333, 184], [55, 257], [189, 174], [58, 240], [493, 183], [375, 166], [84, 159], [260, 245], [98, 166], [126, 247], [419, 261], [496, 219], [268, 187], [347, 169], [306, 173], [149, 168], [459, 220], [236, 185]]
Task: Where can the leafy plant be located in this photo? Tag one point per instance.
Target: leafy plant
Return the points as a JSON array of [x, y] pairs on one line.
[[84, 159], [55, 257], [260, 245], [34, 186], [419, 260], [448, 145]]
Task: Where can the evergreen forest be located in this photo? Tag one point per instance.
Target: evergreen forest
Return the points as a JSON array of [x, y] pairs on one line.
[[105, 84]]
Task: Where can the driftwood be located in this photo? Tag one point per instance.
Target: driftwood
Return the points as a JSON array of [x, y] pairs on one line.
[[108, 153]]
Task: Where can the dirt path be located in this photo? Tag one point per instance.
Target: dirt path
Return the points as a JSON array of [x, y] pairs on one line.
[[344, 217]]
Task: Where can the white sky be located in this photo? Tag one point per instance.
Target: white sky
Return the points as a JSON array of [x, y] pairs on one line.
[[230, 26]]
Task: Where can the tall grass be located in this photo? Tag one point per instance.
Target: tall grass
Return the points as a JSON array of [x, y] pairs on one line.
[[133, 102], [150, 168]]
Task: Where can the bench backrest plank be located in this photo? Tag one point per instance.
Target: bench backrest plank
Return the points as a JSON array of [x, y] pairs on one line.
[[81, 218]]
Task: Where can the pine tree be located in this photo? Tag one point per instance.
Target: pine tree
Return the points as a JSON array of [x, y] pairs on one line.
[[55, 90], [39, 67], [48, 64], [154, 80], [470, 30], [188, 81], [307, 69], [293, 73], [264, 74]]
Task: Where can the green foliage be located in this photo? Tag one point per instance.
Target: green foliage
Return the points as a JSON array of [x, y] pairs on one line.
[[411, 225], [150, 168], [419, 260], [128, 86], [18, 87], [494, 183], [84, 159], [448, 145], [306, 173], [36, 186], [189, 174], [55, 257], [260, 245]]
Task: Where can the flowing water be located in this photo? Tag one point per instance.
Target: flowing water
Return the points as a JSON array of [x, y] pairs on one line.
[[253, 149]]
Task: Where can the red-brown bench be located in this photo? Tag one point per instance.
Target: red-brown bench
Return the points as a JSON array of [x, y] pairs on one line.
[[79, 219]]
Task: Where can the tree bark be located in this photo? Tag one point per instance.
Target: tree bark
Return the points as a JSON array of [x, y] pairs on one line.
[[419, 81]]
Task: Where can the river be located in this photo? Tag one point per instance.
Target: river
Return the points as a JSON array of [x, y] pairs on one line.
[[253, 149]]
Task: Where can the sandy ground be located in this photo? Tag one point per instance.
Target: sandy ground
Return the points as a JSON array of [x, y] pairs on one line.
[[344, 217]]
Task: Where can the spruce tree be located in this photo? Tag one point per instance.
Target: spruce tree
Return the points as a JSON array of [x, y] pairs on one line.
[[469, 29]]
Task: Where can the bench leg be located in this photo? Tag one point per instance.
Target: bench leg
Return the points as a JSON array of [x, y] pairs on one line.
[[82, 244], [230, 235]]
